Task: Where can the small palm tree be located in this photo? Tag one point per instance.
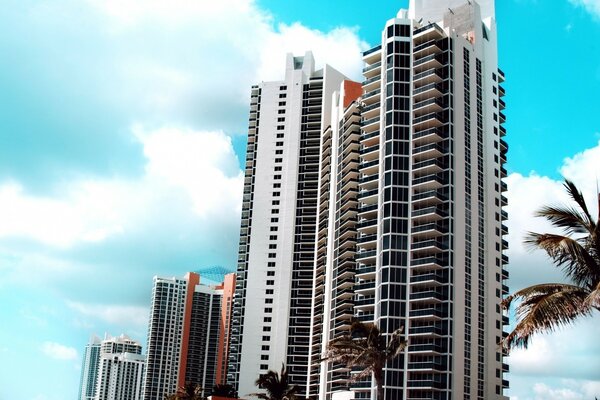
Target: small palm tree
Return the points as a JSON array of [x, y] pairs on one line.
[[189, 391], [366, 347], [224, 391], [276, 385], [546, 306]]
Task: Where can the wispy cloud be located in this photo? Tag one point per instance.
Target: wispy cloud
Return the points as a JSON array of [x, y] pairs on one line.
[[592, 6], [115, 314], [58, 351]]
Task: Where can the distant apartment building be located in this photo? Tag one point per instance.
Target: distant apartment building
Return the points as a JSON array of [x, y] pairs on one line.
[[382, 203], [120, 369], [89, 369], [112, 369], [186, 334]]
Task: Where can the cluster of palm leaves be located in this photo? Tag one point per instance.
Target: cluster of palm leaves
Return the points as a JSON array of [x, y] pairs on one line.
[[276, 386], [192, 391], [545, 307], [367, 349]]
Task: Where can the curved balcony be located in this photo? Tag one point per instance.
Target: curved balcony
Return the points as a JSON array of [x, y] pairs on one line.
[[428, 263], [432, 150], [426, 106], [426, 314], [428, 91], [429, 230], [429, 182], [429, 214]]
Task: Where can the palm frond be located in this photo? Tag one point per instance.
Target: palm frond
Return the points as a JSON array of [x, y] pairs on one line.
[[566, 218], [570, 255], [576, 195], [544, 307], [397, 344], [593, 298]]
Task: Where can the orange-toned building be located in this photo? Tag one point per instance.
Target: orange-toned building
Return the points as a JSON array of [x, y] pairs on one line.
[[188, 334]]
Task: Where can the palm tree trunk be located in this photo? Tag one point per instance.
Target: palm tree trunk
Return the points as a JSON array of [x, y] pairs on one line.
[[378, 375]]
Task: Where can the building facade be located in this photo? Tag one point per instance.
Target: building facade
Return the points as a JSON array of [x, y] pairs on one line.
[[393, 212], [429, 247], [185, 338], [89, 369], [273, 299], [120, 369]]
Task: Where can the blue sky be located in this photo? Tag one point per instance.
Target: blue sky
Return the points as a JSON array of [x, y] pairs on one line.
[[122, 132]]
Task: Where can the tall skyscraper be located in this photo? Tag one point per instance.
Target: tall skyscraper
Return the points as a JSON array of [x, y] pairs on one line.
[[89, 369], [392, 210], [429, 221], [271, 321], [185, 338], [120, 369]]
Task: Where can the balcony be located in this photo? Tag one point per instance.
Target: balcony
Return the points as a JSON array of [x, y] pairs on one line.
[[431, 75], [425, 331], [433, 166], [368, 196], [428, 198], [364, 286], [370, 125], [429, 214], [372, 97], [432, 61], [429, 230], [365, 272], [367, 241], [428, 296], [369, 153], [366, 257], [371, 70], [428, 91], [426, 314], [431, 120], [426, 106], [426, 366], [429, 182], [427, 151], [372, 83], [429, 246], [427, 33], [428, 262], [368, 212], [420, 349], [372, 55]]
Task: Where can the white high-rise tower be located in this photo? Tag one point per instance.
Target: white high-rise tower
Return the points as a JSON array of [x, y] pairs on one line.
[[386, 207], [428, 252], [271, 319]]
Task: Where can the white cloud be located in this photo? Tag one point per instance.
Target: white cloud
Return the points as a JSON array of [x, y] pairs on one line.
[[571, 352], [195, 61], [592, 6], [527, 194], [339, 47], [115, 314], [199, 167], [58, 351]]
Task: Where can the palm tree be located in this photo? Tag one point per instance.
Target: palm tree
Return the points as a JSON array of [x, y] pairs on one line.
[[276, 385], [224, 391], [366, 347], [547, 306], [189, 391]]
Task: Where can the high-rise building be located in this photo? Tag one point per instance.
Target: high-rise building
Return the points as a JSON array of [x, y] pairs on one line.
[[89, 369], [120, 369], [273, 299], [428, 248], [185, 338], [404, 209]]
